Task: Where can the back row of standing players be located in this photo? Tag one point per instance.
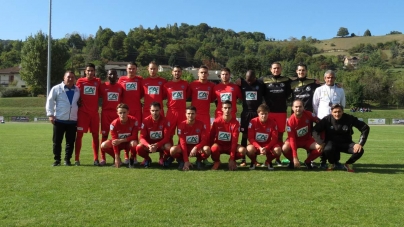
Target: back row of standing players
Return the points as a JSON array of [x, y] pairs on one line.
[[274, 90]]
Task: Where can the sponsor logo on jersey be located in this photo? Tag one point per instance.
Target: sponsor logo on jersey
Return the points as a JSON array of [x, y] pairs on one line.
[[112, 96], [282, 85], [142, 126], [308, 88], [193, 139], [345, 128], [203, 95], [225, 96], [250, 95], [123, 135], [297, 89], [80, 128], [224, 136], [302, 131], [89, 90], [177, 95], [131, 86], [288, 129], [153, 90], [155, 135], [261, 137]]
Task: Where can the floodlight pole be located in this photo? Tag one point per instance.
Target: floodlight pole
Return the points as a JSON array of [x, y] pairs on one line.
[[49, 49]]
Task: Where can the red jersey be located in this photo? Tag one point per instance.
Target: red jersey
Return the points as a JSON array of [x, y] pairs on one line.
[[229, 92], [225, 134], [111, 95], [132, 92], [195, 135], [176, 93], [129, 130], [154, 131], [89, 92], [153, 92], [202, 95], [299, 129], [263, 134]]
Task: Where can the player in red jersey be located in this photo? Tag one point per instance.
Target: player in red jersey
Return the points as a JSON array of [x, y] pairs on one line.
[[226, 91], [176, 93], [224, 136], [111, 94], [132, 90], [263, 138], [202, 94], [153, 89], [299, 128], [88, 116], [193, 141], [154, 135], [124, 136]]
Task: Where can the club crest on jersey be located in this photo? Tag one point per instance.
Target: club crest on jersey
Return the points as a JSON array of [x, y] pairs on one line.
[[154, 135], [177, 95], [302, 131], [332, 127], [197, 130], [113, 96], [261, 137], [282, 84], [203, 95], [111, 127], [194, 139], [161, 127], [136, 123], [297, 89], [288, 129], [182, 86], [250, 95], [268, 130], [249, 125], [208, 88], [153, 90], [308, 88], [307, 121], [131, 86], [89, 90], [231, 89], [160, 83], [142, 126], [257, 87], [223, 136], [345, 128], [225, 97]]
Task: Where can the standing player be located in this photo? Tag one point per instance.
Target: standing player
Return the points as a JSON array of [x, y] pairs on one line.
[[226, 91], [176, 93], [303, 88], [263, 138], [154, 135], [132, 90], [153, 89], [88, 116], [193, 141], [124, 130], [111, 94], [276, 95], [224, 136], [202, 94], [299, 128], [252, 91]]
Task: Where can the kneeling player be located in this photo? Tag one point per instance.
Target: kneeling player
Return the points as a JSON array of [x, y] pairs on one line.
[[193, 141], [124, 131], [299, 127], [263, 138], [224, 136], [154, 135]]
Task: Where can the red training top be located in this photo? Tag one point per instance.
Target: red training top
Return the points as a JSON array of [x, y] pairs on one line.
[[89, 90], [202, 95], [111, 95], [263, 134], [225, 92], [176, 93], [153, 92], [195, 135], [132, 92], [129, 130], [225, 134], [155, 131]]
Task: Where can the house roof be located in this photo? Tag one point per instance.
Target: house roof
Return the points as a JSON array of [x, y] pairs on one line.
[[12, 70]]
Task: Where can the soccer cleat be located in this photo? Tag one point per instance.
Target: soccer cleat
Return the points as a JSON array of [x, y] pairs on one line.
[[57, 163], [96, 163], [338, 165], [252, 166], [278, 162], [199, 165], [215, 165], [77, 163], [180, 165], [135, 162], [331, 167], [131, 163], [147, 163], [168, 162], [126, 161], [270, 167], [308, 165], [313, 165], [68, 163], [265, 164], [161, 162], [323, 165], [103, 162], [242, 163], [291, 165], [349, 168], [207, 163]]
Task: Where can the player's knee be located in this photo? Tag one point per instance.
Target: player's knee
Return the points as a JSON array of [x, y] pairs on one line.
[[206, 150], [251, 149], [106, 144], [277, 151], [133, 143]]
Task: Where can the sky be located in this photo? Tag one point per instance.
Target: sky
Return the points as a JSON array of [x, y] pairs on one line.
[[281, 19]]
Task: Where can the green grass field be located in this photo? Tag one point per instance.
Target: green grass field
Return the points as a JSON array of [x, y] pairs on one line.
[[35, 194]]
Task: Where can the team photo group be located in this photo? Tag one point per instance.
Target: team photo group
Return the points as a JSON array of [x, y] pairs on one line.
[[133, 120]]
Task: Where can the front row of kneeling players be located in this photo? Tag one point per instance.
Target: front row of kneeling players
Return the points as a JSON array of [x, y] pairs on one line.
[[332, 135]]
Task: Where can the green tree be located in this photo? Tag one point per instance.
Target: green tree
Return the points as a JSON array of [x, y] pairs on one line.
[[342, 32], [367, 33], [34, 62]]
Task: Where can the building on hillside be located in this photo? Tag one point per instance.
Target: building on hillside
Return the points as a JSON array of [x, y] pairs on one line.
[[214, 75], [163, 68], [11, 76], [119, 66], [351, 61]]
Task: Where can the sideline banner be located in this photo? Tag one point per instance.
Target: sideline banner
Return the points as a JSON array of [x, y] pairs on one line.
[[41, 119], [376, 121], [20, 118], [398, 121]]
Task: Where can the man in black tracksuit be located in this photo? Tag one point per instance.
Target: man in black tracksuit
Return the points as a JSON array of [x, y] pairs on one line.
[[303, 88], [338, 136]]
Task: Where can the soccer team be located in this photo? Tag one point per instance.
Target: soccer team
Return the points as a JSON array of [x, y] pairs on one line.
[[140, 129]]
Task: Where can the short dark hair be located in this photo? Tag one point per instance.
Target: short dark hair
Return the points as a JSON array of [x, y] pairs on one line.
[[276, 63], [153, 62], [70, 71], [155, 104], [227, 102], [337, 105], [177, 66], [302, 65], [123, 106], [299, 100], [132, 63], [252, 72], [263, 108], [204, 67], [191, 108], [90, 65], [225, 69]]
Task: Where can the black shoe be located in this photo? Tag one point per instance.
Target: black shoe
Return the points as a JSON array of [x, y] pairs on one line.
[[147, 163], [308, 165], [291, 165], [56, 163], [131, 163], [96, 163], [168, 162], [181, 165], [68, 163]]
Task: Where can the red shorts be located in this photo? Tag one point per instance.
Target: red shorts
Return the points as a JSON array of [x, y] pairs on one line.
[[305, 144], [175, 118], [226, 150], [88, 122], [280, 119], [137, 114], [106, 118], [205, 119]]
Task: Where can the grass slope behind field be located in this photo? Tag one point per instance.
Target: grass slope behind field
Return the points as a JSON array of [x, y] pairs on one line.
[[35, 194]]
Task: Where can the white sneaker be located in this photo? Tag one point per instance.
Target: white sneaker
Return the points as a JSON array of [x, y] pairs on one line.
[[126, 161], [252, 166], [270, 166]]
